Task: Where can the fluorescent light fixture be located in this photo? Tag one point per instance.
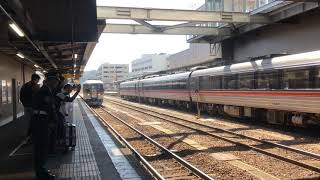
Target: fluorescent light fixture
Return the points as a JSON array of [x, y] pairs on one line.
[[16, 29], [36, 66], [74, 65], [75, 56], [20, 55]]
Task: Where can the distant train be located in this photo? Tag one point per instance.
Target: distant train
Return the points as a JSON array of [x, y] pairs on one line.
[[93, 92], [282, 90]]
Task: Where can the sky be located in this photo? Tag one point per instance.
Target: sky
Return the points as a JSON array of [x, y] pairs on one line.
[[124, 48]]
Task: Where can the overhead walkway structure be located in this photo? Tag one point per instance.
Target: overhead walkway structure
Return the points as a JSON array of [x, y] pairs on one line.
[[202, 25], [191, 19]]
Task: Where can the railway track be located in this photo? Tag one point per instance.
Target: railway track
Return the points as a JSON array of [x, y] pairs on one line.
[[275, 150], [160, 161]]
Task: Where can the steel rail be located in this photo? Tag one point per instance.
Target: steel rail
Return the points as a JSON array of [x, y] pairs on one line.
[[193, 169], [307, 153], [285, 159], [149, 167]]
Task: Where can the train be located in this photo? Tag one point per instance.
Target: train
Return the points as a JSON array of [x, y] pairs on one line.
[[281, 90], [93, 92]]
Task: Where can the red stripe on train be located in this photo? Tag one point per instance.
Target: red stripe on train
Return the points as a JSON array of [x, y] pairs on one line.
[[253, 93]]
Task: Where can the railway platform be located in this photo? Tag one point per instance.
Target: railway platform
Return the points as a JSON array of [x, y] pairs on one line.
[[97, 154]]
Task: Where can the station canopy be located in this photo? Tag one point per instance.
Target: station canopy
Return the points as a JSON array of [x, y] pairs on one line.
[[50, 34]]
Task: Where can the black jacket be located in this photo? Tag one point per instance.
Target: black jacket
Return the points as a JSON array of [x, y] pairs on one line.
[[27, 92]]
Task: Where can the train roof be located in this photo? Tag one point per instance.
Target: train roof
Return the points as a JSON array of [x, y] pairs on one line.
[[93, 82], [160, 78], [284, 62], [170, 77]]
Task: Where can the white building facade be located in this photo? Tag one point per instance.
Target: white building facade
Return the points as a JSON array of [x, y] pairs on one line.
[[149, 63], [110, 73]]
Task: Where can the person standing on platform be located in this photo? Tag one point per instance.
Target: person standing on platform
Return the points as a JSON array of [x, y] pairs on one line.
[[63, 98], [44, 121], [27, 93]]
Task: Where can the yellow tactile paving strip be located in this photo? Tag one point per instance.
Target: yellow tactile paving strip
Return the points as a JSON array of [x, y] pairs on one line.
[[234, 162]]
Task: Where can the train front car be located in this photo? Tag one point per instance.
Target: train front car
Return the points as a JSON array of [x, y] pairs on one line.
[[282, 90], [93, 92]]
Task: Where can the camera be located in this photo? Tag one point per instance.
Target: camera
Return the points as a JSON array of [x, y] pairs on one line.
[[76, 87]]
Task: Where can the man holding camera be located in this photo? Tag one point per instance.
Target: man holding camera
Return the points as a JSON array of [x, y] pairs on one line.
[[62, 98]]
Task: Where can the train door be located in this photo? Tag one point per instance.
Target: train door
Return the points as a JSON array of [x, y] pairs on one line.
[[193, 87], [141, 94], [136, 89]]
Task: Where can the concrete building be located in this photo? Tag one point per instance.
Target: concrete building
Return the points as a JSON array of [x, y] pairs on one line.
[[109, 73], [88, 75], [149, 63], [197, 54], [297, 32]]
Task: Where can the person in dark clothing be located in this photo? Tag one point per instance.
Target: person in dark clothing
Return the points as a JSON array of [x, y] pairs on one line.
[[27, 92], [54, 135], [43, 122]]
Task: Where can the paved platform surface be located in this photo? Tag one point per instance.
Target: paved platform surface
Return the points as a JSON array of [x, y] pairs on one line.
[[96, 156]]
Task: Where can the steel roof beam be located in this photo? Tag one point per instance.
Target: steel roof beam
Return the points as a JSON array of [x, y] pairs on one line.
[[149, 14], [139, 29], [179, 25], [46, 55], [148, 25]]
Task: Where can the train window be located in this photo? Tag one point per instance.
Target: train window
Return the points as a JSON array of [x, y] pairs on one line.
[[183, 84], [317, 77], [215, 81], [163, 85], [194, 83], [230, 82], [246, 81], [205, 84], [296, 79], [179, 84], [268, 80], [210, 82], [169, 85]]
